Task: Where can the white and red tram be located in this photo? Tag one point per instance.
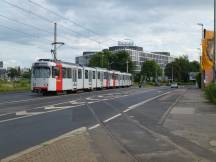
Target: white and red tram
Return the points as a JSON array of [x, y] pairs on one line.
[[51, 76]]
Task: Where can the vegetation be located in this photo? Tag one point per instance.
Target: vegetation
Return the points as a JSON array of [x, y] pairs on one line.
[[210, 92], [11, 86], [150, 71], [115, 61], [181, 67], [17, 81]]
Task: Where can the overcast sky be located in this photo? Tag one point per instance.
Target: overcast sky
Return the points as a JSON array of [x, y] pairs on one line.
[[155, 25]]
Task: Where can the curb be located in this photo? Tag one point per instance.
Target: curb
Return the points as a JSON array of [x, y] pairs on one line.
[[163, 118], [44, 144]]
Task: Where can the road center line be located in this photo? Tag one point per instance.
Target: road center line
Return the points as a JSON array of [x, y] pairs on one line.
[[94, 126], [113, 117], [143, 102]]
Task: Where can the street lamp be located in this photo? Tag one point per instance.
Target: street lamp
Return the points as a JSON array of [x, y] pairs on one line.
[[202, 73], [214, 42], [202, 27]]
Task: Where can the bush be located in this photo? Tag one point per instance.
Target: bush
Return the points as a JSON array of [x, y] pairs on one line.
[[210, 92]]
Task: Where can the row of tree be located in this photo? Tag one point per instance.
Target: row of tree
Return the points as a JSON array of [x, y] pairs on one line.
[[179, 69], [16, 73], [116, 61]]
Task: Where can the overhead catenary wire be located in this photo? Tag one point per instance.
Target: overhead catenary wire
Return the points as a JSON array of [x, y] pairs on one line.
[[67, 19], [46, 19], [29, 25], [25, 33]]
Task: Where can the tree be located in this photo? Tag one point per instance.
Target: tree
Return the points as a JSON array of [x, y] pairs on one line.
[[100, 59], [173, 69], [181, 67], [114, 61], [150, 69], [13, 73], [194, 66], [26, 74], [119, 61]]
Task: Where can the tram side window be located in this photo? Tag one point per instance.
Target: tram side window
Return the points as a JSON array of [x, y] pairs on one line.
[[69, 73], [86, 74], [98, 75], [93, 75], [105, 75], [64, 73], [74, 75], [55, 72], [79, 74]]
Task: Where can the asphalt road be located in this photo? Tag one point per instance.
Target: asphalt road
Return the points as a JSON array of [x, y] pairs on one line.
[[28, 119], [134, 116]]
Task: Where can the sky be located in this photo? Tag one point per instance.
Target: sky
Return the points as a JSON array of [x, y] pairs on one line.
[[26, 27]]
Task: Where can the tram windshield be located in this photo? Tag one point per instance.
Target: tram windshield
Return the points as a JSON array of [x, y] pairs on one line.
[[41, 72]]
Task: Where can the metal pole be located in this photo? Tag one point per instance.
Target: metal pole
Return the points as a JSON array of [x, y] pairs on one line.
[[202, 72], [127, 66], [214, 41], [172, 72], [55, 40]]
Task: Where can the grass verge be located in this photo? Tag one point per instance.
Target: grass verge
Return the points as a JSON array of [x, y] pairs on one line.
[[210, 92]]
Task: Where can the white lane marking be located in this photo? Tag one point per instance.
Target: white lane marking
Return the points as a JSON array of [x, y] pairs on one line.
[[143, 102], [126, 110], [22, 113], [36, 113], [111, 118], [53, 110], [39, 98], [94, 126]]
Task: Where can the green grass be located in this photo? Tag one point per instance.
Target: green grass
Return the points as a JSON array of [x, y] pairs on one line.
[[210, 92], [14, 86]]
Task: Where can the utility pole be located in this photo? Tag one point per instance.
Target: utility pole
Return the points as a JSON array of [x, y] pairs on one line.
[[127, 66], [214, 42], [202, 72], [172, 72], [55, 43]]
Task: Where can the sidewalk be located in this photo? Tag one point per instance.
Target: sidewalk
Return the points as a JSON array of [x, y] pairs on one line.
[[194, 118], [73, 146]]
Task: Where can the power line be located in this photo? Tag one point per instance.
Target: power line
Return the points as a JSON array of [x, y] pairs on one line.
[[27, 11], [9, 28], [72, 21], [59, 15], [42, 17], [29, 25]]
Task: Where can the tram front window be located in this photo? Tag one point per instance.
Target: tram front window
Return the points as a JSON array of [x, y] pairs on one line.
[[41, 72]]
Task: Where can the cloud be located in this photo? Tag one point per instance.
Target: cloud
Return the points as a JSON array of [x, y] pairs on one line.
[[168, 25]]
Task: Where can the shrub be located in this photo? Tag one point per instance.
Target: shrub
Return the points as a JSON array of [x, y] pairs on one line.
[[210, 92]]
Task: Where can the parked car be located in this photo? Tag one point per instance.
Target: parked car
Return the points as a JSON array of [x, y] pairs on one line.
[[174, 85]]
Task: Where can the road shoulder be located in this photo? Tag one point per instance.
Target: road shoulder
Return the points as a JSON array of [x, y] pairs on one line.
[[194, 119]]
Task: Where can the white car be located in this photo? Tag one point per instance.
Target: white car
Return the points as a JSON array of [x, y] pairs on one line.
[[174, 85]]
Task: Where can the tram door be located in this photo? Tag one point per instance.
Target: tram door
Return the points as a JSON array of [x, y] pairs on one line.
[[90, 78], [101, 79], [74, 73]]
